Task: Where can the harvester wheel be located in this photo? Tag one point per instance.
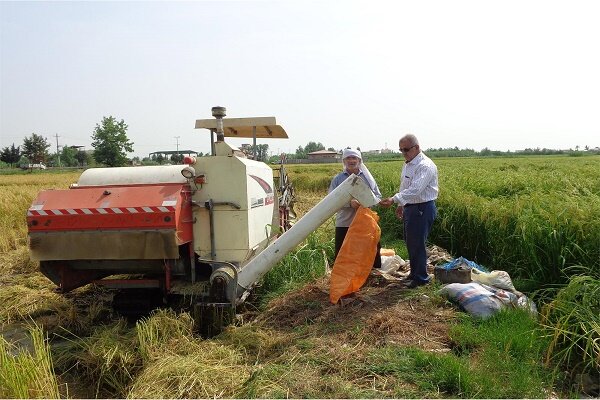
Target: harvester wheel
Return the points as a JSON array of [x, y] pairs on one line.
[[211, 318]]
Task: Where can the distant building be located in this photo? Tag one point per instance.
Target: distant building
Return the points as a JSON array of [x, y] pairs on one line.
[[371, 152], [377, 152], [167, 153], [324, 156]]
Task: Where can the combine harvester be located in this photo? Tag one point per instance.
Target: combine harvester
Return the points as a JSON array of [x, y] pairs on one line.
[[201, 232]]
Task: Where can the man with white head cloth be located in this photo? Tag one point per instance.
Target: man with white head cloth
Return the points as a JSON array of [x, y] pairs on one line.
[[353, 164]]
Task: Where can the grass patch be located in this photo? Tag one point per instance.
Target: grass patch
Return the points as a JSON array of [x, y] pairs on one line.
[[302, 265], [496, 358]]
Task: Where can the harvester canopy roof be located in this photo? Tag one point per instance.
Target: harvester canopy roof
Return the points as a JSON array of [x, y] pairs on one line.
[[266, 127]]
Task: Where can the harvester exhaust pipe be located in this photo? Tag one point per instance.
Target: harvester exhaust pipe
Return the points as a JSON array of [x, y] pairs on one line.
[[219, 112], [248, 275]]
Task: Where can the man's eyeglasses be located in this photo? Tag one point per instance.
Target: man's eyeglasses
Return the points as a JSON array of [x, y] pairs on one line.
[[406, 149]]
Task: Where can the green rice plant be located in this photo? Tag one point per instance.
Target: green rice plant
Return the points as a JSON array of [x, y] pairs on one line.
[[27, 374], [571, 323], [533, 217], [305, 263]]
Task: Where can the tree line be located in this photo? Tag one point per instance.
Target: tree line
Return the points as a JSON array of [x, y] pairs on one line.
[[109, 140], [111, 145]]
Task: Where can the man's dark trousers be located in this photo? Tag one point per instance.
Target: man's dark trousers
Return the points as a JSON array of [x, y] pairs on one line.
[[418, 220]]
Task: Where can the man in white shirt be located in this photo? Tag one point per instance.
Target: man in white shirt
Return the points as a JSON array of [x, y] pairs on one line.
[[416, 206]]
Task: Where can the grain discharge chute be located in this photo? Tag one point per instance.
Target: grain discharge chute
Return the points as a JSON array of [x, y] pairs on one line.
[[205, 231]]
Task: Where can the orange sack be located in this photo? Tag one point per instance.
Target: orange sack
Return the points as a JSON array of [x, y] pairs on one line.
[[355, 259], [387, 252]]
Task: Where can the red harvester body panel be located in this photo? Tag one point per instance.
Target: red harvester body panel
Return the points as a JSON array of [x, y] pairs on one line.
[[118, 207], [111, 222]]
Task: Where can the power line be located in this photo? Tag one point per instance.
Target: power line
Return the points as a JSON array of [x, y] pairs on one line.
[[57, 153], [177, 137]]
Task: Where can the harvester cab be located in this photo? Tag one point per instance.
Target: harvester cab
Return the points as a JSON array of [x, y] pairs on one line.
[[205, 231]]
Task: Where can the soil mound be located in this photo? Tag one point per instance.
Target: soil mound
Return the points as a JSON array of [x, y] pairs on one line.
[[383, 311]]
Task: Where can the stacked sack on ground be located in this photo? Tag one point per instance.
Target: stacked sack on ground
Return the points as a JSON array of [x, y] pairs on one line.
[[478, 292]]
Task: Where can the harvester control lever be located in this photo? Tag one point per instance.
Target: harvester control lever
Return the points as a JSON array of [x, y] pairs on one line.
[[210, 204]]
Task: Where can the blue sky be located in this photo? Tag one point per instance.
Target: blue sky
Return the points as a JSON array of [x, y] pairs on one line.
[[496, 74]]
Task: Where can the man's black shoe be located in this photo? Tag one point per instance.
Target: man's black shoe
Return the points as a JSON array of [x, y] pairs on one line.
[[414, 284]]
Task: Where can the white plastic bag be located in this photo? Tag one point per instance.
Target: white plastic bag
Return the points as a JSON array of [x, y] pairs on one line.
[[499, 279], [391, 263]]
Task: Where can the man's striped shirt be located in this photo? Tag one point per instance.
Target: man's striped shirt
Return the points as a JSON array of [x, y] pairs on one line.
[[419, 181]]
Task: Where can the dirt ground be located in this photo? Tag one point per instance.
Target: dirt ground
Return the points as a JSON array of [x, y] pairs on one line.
[[386, 310]]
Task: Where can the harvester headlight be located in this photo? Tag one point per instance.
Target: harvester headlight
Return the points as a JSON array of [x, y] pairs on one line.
[[188, 172]]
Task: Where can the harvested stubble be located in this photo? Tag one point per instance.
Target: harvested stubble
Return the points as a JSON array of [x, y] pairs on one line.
[[20, 303], [192, 369], [25, 374]]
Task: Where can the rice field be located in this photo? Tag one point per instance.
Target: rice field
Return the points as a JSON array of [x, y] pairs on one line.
[[537, 218]]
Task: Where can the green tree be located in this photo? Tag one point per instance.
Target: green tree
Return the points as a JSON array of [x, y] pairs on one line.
[[262, 152], [35, 148], [300, 153], [149, 161], [110, 142], [83, 158], [11, 155], [177, 158], [312, 146], [68, 157]]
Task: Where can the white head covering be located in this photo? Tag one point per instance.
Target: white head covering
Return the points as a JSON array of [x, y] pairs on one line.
[[351, 152], [363, 168]]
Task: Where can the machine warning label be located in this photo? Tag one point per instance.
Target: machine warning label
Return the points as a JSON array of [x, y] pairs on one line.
[[254, 202]]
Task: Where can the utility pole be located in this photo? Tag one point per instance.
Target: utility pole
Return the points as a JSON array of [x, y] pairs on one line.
[[177, 137], [57, 153]]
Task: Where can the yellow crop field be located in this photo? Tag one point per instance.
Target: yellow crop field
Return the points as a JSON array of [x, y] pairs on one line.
[[16, 194]]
